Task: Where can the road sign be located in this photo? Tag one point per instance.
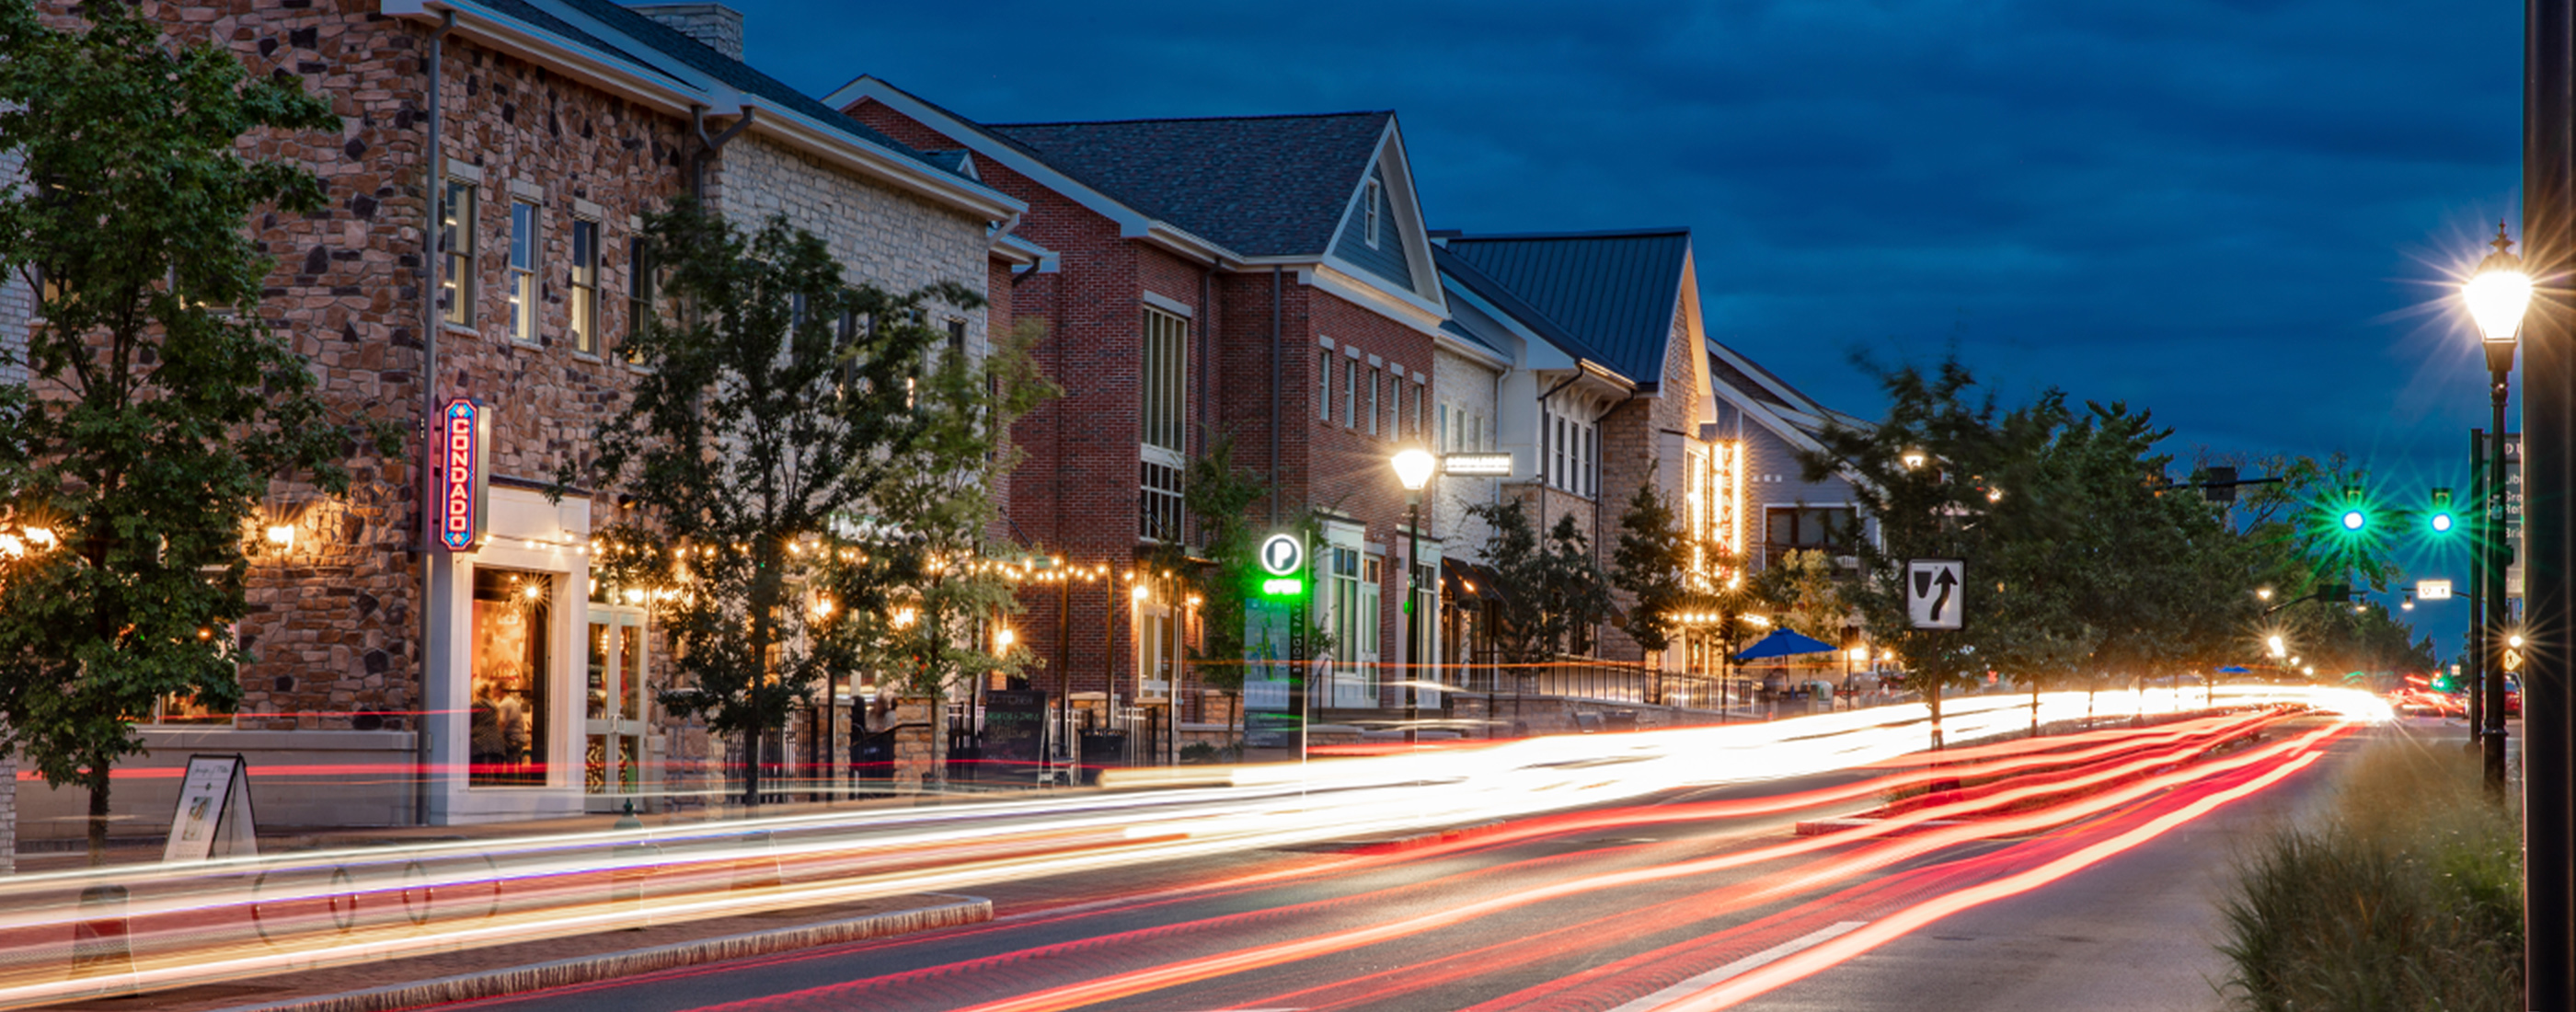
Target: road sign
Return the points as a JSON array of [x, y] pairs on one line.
[[2432, 590], [1934, 589], [2512, 660]]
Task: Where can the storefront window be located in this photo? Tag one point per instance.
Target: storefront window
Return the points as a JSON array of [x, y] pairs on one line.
[[509, 707]]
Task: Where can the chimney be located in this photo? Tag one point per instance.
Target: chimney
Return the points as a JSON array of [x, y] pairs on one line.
[[717, 25]]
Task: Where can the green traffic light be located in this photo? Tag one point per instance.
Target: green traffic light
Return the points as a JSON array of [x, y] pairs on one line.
[[2440, 518], [2355, 519]]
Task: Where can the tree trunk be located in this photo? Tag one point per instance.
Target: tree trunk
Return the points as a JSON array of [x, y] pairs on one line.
[[751, 745], [2034, 708], [1932, 698], [97, 778]]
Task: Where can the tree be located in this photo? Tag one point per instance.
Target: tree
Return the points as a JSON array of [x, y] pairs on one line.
[[1804, 594], [1222, 573], [1557, 591], [917, 588], [780, 402], [159, 406], [1945, 475], [1651, 564]]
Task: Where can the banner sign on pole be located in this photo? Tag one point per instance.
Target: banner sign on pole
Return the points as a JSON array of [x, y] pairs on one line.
[[213, 819], [461, 450]]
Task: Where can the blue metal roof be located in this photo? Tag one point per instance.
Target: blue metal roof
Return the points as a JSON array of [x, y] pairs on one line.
[[1614, 291]]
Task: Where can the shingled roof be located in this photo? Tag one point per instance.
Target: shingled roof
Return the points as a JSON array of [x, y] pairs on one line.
[[678, 45], [1258, 185], [1615, 292]]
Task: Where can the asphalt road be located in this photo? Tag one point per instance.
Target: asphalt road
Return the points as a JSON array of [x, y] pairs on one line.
[[1619, 910]]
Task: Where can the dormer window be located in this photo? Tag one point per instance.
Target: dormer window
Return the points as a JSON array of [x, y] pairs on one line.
[[1369, 211]]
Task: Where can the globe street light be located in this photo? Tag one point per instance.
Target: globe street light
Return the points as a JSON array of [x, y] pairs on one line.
[[2497, 296], [1413, 467]]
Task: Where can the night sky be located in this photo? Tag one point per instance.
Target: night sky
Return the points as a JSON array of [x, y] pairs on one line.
[[2243, 215]]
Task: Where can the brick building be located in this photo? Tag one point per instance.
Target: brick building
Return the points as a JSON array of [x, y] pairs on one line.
[[499, 681], [1266, 279]]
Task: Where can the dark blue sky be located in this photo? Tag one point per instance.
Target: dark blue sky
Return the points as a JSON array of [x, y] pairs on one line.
[[2240, 214]]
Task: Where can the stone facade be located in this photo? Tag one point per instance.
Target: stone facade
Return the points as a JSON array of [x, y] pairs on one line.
[[335, 622]]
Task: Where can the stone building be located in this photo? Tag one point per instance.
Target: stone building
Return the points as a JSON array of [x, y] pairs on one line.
[[395, 680]]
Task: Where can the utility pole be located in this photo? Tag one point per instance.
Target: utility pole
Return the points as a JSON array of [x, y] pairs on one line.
[[2549, 378]]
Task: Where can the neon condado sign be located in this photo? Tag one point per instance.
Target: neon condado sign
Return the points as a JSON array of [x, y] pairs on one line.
[[464, 430]]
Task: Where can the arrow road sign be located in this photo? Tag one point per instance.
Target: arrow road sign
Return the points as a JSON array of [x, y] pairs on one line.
[[1933, 592]]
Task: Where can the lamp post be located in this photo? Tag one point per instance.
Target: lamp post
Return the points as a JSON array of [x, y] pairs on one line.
[[2497, 296], [1413, 467]]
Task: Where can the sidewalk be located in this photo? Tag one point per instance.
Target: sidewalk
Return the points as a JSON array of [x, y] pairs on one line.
[[528, 966]]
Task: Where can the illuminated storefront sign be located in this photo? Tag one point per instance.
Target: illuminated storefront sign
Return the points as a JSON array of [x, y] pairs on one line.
[[464, 429]]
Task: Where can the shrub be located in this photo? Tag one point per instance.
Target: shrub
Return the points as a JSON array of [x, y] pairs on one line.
[[2406, 894]]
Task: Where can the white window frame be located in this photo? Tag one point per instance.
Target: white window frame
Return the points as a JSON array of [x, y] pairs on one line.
[[1368, 211], [457, 248], [583, 287], [523, 269]]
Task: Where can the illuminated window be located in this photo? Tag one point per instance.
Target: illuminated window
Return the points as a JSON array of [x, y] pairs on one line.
[[585, 286], [1324, 386]]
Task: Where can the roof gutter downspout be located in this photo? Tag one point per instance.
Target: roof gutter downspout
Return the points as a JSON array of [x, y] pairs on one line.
[[1538, 453], [1277, 365], [709, 147], [433, 198]]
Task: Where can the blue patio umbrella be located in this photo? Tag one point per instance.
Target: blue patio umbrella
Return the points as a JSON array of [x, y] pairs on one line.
[[1782, 643], [2234, 669]]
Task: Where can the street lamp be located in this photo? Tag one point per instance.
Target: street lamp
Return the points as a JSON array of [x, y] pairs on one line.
[[1413, 467], [2498, 294]]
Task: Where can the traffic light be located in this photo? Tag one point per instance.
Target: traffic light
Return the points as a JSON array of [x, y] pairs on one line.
[[2439, 518], [2354, 515]]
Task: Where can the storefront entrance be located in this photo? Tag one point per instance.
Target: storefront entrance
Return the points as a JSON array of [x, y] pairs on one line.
[[508, 709], [615, 702]]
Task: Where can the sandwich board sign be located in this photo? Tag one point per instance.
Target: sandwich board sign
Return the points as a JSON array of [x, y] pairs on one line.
[[1933, 592], [214, 817]]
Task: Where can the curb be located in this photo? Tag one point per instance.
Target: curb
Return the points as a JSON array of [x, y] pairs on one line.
[[614, 965], [1381, 846]]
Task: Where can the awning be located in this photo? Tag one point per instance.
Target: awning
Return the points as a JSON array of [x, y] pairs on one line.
[[1468, 584]]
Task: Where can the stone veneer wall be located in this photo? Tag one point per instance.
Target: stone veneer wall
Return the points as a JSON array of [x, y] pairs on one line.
[[894, 240]]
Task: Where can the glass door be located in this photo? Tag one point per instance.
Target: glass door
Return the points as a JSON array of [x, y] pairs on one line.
[[614, 705]]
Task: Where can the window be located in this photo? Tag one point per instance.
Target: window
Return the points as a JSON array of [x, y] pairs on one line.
[[1377, 379], [956, 335], [456, 239], [1368, 210], [1350, 393], [1166, 381], [1324, 386], [1827, 528], [523, 270], [1421, 427], [508, 673], [585, 286], [1159, 507], [1442, 435], [639, 291]]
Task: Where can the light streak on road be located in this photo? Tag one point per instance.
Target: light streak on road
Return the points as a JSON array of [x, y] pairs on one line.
[[1926, 838], [243, 917]]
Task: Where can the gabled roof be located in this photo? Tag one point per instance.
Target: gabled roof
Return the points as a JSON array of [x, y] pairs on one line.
[[1258, 185], [1616, 290]]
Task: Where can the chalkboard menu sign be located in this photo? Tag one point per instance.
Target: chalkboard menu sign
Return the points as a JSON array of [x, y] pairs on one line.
[[1015, 726]]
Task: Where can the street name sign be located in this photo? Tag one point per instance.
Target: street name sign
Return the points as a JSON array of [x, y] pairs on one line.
[[1933, 592], [1487, 465]]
